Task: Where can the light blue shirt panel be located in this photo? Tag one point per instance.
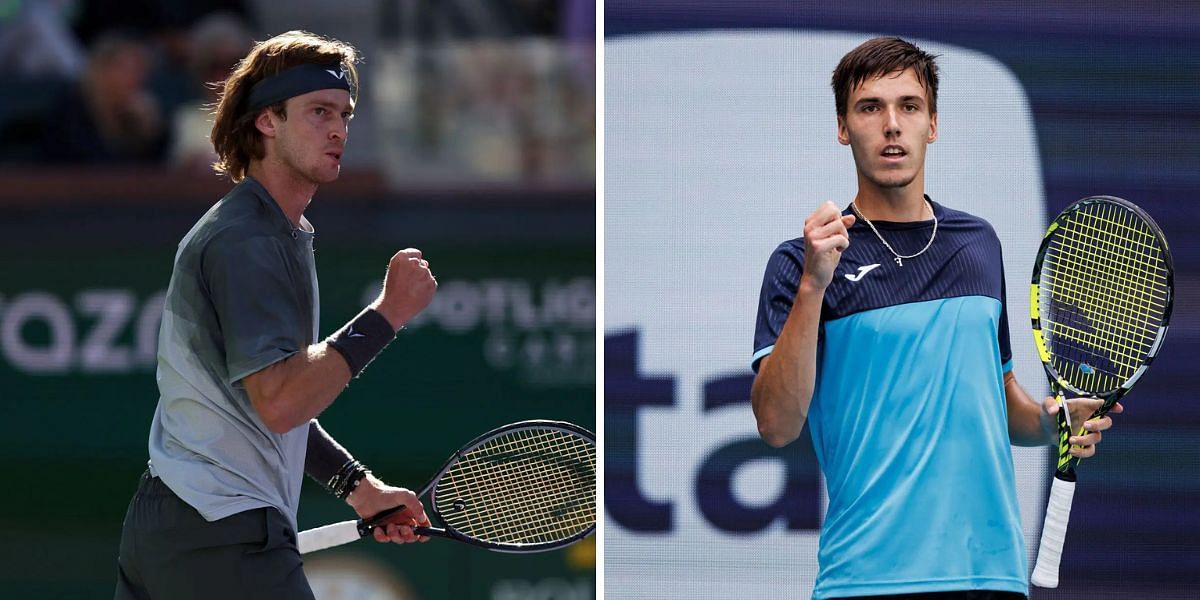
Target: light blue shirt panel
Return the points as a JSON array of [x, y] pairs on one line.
[[910, 425]]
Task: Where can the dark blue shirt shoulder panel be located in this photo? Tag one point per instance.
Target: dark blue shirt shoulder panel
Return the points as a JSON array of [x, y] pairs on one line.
[[965, 259]]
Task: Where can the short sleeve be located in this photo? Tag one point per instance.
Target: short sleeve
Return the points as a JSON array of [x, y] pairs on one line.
[[256, 301], [1002, 334], [775, 300]]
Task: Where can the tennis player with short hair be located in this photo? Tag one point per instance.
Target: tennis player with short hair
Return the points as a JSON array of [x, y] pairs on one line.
[[885, 329], [241, 373]]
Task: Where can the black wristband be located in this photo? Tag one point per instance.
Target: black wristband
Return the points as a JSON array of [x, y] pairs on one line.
[[338, 481], [362, 339], [353, 480], [347, 479]]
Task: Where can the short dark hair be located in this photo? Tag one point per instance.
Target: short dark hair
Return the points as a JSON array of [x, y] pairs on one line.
[[882, 56], [235, 138]]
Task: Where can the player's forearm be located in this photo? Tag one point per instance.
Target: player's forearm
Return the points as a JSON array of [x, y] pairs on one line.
[[1027, 423], [782, 391], [294, 391]]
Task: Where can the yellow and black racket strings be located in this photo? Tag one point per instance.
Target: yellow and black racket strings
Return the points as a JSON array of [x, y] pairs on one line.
[[1104, 291]]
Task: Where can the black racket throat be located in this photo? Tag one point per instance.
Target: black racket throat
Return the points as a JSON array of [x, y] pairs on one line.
[[366, 525], [1068, 475], [380, 520]]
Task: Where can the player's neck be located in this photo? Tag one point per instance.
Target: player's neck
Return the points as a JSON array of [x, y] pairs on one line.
[[897, 205], [290, 192]]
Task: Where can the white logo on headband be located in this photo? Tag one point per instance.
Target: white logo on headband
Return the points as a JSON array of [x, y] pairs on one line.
[[340, 75]]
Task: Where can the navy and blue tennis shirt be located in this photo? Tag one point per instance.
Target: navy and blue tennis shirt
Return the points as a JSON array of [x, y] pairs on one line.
[[908, 417]]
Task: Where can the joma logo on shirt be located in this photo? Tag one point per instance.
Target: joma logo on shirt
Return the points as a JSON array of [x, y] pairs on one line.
[[862, 271]]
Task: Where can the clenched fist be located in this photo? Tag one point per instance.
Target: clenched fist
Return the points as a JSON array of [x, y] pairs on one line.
[[825, 237], [408, 287]]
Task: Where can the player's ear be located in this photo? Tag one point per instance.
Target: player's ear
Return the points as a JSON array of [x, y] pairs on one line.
[[932, 128], [843, 136], [266, 122]]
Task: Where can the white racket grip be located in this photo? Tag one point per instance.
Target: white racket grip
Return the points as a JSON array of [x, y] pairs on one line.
[[1054, 533], [328, 536]]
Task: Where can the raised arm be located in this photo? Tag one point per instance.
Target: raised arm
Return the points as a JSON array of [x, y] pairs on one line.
[[784, 385], [293, 391]]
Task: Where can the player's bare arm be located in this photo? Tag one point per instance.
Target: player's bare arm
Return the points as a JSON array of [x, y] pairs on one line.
[[295, 390], [784, 385]]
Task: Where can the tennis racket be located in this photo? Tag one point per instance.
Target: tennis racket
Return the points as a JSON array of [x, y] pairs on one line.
[[1100, 303], [524, 487]]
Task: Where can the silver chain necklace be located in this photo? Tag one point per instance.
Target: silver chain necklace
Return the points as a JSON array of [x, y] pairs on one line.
[[898, 257]]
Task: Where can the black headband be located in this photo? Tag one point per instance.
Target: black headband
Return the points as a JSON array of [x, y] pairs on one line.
[[302, 79]]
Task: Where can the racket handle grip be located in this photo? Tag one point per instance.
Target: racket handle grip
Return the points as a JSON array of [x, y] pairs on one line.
[[328, 536], [1054, 533]]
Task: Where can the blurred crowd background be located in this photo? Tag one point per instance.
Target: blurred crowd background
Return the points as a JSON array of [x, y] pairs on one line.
[[473, 140], [464, 91]]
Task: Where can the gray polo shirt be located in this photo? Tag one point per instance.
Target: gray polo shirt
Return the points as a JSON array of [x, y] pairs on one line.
[[243, 295]]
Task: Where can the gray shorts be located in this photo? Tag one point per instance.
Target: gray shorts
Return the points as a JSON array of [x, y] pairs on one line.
[[169, 551]]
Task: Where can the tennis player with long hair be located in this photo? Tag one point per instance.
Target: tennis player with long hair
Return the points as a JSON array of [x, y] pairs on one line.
[[242, 375], [885, 329]]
